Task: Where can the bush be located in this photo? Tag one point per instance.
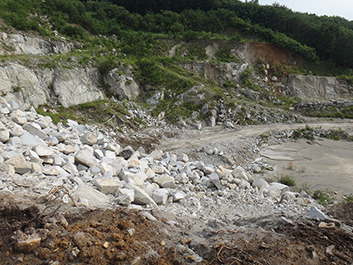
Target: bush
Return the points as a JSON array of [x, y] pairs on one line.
[[286, 180], [107, 64], [322, 198], [149, 73]]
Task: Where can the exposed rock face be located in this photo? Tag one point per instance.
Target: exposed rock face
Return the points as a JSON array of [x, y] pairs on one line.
[[219, 72], [122, 86], [21, 44], [34, 87], [70, 86], [76, 86], [315, 87], [193, 95]]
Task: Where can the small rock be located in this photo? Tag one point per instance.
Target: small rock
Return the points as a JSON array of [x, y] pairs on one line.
[[327, 225], [215, 180], [149, 216], [89, 138], [208, 170], [160, 196], [136, 261], [27, 243], [107, 186], [4, 135], [257, 169], [329, 250], [43, 150], [316, 213], [156, 154], [178, 195], [86, 158]]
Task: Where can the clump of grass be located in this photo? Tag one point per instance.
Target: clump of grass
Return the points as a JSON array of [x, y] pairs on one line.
[[264, 137], [307, 133], [322, 198], [287, 180], [291, 166], [349, 198], [16, 89]]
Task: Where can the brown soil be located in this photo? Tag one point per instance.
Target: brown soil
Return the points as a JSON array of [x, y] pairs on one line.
[[303, 243], [270, 54], [97, 237], [120, 236], [343, 212]]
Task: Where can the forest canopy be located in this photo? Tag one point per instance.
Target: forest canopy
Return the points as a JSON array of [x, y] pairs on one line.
[[313, 37]]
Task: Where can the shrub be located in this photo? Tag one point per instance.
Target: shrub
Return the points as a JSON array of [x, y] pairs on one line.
[[286, 180], [16, 89], [322, 198]]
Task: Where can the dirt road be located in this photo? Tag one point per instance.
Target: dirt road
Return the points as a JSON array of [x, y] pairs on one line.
[[208, 135]]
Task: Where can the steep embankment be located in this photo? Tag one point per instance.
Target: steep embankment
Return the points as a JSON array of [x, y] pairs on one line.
[[29, 72]]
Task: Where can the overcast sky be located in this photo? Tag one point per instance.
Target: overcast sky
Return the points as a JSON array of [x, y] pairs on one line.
[[342, 8]]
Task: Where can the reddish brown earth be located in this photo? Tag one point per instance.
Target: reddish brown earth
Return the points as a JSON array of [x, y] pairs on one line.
[[120, 236]]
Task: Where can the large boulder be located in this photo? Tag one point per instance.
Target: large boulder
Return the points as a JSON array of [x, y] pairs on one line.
[[193, 95], [122, 86], [76, 86], [315, 87], [33, 88]]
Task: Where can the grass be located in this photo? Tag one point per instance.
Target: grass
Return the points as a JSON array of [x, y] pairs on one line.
[[291, 166], [322, 197], [307, 133], [287, 180], [106, 112], [349, 198], [16, 89]]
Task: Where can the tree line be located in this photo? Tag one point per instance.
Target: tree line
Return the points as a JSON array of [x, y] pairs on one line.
[[308, 35]]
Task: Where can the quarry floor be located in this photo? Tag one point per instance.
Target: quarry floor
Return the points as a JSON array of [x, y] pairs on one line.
[[121, 236]]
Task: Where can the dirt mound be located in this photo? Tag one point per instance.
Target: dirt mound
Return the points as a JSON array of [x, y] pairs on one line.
[[270, 54], [343, 212], [303, 243], [120, 236], [93, 237]]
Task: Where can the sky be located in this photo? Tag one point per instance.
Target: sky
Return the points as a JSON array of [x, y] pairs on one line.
[[342, 8]]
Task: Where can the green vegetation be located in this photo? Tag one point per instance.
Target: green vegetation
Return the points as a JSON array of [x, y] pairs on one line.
[[309, 36], [349, 198], [307, 133], [291, 166], [323, 198], [139, 35], [16, 89], [287, 180], [106, 112], [332, 112]]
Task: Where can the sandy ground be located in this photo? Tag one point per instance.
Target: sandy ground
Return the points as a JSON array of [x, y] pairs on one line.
[[322, 164]]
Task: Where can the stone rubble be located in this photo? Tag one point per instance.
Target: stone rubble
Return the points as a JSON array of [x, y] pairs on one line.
[[37, 156]]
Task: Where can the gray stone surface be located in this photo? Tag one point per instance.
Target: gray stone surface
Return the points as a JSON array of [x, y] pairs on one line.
[[122, 86], [316, 213], [107, 186], [86, 158]]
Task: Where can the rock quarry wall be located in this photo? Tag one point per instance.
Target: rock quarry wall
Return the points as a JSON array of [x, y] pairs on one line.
[[36, 86], [321, 87]]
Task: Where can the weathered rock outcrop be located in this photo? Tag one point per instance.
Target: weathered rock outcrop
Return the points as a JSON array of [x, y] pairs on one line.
[[39, 86], [32, 87], [315, 87], [22, 44], [121, 85], [217, 72], [76, 86]]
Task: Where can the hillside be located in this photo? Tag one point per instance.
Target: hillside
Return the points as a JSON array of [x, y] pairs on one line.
[[174, 132]]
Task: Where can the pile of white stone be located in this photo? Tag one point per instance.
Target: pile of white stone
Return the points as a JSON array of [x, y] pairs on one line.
[[38, 157]]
